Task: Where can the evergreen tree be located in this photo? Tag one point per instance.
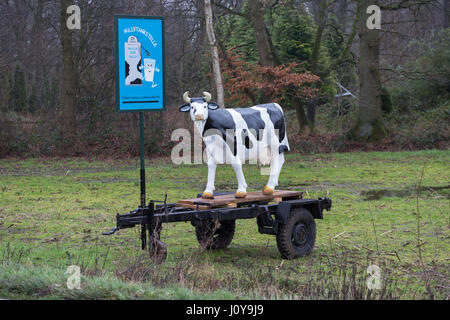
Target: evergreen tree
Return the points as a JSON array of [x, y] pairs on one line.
[[293, 34], [236, 32]]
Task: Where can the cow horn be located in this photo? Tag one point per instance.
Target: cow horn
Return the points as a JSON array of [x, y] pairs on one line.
[[207, 96], [186, 97]]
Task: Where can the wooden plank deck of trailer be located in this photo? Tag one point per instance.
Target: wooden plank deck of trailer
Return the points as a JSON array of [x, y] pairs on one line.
[[229, 200]]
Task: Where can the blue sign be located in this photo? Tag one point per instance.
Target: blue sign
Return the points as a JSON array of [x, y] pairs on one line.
[[139, 63]]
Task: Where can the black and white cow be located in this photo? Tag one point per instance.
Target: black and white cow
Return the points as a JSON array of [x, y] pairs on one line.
[[238, 135]]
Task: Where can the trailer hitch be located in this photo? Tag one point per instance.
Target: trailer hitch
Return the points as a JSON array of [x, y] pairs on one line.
[[150, 227], [110, 232]]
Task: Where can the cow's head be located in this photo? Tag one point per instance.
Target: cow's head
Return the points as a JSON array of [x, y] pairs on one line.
[[198, 107]]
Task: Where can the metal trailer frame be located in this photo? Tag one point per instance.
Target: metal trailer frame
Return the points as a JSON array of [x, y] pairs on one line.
[[270, 217]]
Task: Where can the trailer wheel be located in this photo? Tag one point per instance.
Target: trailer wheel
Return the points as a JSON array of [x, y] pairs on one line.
[[296, 238], [214, 234], [157, 250]]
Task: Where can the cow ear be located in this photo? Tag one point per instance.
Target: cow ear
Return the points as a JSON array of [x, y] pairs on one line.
[[185, 108], [213, 106]]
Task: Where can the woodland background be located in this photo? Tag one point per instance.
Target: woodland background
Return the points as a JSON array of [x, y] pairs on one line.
[[57, 86]]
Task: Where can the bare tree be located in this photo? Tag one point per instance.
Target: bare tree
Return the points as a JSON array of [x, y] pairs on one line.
[[446, 13], [68, 97], [370, 125], [321, 9], [214, 53]]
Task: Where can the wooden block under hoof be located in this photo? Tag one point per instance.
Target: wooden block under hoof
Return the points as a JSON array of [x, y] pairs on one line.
[[240, 195], [207, 195]]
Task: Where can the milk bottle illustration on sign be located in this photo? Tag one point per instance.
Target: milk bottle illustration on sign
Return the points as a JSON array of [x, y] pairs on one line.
[[149, 69], [133, 62]]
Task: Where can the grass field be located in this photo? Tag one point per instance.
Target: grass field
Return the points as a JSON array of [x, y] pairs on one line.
[[389, 209]]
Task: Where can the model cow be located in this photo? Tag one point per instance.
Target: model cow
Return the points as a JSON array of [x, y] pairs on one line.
[[238, 135]]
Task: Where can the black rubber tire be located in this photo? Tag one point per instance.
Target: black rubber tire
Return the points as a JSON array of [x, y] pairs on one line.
[[157, 250], [212, 234], [156, 225], [297, 237]]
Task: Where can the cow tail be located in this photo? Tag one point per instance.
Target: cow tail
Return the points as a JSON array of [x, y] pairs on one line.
[[284, 145], [285, 141]]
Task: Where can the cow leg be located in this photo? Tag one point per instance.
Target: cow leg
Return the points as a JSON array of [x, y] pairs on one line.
[[242, 185], [209, 191], [280, 166], [276, 163]]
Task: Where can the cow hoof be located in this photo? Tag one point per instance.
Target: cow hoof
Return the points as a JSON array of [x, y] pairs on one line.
[[241, 194], [268, 191], [207, 195]]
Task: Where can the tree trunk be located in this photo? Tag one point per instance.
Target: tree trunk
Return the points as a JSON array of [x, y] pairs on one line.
[[446, 13], [311, 112], [266, 51], [214, 53], [304, 126], [341, 13], [38, 43], [320, 21], [68, 93], [370, 126]]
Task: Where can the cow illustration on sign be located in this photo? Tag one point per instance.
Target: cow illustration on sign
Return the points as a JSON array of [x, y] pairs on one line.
[[133, 64]]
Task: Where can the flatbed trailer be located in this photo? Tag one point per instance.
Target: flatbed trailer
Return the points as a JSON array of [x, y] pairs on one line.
[[284, 214]]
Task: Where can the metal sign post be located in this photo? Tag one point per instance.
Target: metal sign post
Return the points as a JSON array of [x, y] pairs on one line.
[[142, 158], [140, 66]]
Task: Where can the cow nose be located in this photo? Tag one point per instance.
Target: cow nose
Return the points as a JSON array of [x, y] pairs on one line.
[[199, 117]]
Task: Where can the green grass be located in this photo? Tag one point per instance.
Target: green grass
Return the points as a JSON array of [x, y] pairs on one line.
[[52, 213], [26, 281]]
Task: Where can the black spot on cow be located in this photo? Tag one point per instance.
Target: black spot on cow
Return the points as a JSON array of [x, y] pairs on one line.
[[244, 135], [253, 120], [127, 69], [138, 67], [277, 118], [221, 122]]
